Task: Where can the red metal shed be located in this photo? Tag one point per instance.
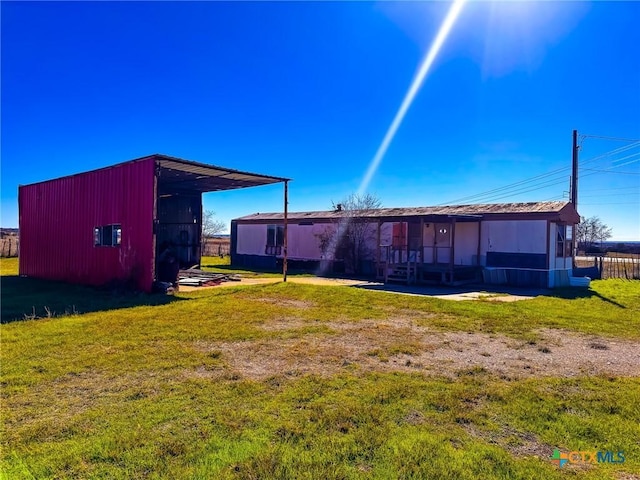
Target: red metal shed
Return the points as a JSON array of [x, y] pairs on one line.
[[110, 224]]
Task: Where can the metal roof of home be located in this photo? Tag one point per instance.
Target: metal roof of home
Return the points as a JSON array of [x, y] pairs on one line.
[[529, 209], [177, 174]]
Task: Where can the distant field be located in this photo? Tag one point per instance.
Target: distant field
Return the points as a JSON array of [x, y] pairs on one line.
[[303, 381], [9, 246], [217, 247]]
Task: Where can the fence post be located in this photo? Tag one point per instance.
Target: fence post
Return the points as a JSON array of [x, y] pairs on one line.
[[626, 272], [600, 267]]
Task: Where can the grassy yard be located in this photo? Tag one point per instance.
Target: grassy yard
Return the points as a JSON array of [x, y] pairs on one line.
[[223, 265], [302, 381]]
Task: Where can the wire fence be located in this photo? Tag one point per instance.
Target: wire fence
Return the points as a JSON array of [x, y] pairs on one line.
[[612, 265], [216, 247]]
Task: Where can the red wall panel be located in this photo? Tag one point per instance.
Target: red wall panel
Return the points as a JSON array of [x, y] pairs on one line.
[[58, 217]]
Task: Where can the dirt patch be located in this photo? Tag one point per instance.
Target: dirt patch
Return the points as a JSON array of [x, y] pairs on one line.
[[287, 302], [627, 476], [403, 345], [521, 444]]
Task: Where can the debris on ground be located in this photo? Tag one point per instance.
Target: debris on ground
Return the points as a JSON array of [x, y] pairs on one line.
[[194, 277]]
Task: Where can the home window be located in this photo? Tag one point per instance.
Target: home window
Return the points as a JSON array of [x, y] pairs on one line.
[[568, 241], [561, 236], [275, 239], [107, 235]]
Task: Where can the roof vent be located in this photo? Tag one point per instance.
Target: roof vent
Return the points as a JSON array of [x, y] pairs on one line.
[[339, 207]]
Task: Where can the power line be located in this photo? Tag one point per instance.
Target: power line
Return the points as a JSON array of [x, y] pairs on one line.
[[634, 187], [633, 155], [610, 195], [613, 203], [635, 190], [549, 183], [516, 184], [609, 171], [522, 186], [603, 137], [609, 153]]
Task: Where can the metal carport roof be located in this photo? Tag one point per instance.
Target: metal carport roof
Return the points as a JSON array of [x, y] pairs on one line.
[[177, 174]]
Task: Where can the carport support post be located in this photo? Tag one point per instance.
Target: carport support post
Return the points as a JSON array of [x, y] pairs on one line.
[[452, 250], [378, 247], [478, 263], [284, 240]]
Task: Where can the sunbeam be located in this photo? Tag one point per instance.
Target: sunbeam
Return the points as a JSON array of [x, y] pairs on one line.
[[443, 32], [442, 35]]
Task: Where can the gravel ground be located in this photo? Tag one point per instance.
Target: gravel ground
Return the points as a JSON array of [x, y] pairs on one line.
[[401, 345]]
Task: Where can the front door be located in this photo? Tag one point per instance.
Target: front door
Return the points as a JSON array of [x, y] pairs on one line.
[[442, 244]]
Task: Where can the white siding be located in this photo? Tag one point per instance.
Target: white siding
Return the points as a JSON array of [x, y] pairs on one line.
[[466, 246], [552, 243], [303, 242], [514, 236], [251, 239], [562, 263]]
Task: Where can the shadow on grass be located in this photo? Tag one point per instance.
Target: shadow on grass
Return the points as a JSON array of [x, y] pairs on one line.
[[254, 271], [491, 290], [25, 298], [432, 290], [231, 269], [573, 293]]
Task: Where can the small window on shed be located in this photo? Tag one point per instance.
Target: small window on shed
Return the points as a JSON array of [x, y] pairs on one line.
[[107, 235]]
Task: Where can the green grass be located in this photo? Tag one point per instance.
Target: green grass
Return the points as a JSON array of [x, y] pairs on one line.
[[223, 265], [139, 386], [8, 266]]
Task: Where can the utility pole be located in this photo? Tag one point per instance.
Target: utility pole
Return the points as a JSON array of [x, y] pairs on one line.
[[574, 173], [574, 193], [284, 240]]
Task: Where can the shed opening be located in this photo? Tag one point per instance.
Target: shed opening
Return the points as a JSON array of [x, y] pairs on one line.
[[179, 212]]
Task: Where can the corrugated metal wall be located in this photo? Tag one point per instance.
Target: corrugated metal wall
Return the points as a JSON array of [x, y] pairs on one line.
[[58, 217]]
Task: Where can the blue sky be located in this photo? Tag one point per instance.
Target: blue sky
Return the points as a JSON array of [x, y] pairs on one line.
[[307, 91]]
